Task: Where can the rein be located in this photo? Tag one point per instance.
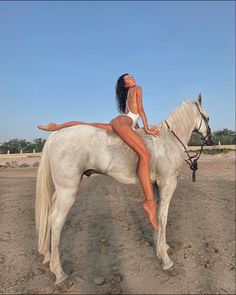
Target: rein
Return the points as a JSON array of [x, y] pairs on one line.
[[192, 163]]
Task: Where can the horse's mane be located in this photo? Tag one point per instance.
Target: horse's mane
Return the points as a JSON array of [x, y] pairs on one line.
[[180, 119]]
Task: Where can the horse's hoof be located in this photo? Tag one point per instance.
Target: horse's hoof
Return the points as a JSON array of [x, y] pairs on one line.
[[64, 286], [61, 279], [167, 265]]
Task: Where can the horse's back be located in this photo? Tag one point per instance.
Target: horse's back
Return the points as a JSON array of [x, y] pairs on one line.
[[83, 147]]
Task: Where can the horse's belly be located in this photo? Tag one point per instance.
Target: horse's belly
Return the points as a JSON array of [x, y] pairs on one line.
[[123, 178]]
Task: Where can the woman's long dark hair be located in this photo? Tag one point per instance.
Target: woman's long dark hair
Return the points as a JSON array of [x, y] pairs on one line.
[[121, 94]]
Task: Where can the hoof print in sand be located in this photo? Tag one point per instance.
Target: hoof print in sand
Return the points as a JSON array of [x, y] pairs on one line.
[[99, 280]]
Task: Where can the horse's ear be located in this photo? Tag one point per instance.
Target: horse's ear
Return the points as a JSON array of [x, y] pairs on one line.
[[200, 99]]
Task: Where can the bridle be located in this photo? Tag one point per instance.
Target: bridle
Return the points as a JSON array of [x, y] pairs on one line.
[[193, 163], [203, 118]]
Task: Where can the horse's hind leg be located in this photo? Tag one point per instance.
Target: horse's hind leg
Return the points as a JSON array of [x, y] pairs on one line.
[[167, 189], [64, 200]]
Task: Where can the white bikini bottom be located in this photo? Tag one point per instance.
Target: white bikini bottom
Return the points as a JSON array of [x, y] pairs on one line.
[[134, 117]]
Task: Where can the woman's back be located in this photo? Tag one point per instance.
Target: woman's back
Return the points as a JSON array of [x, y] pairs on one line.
[[131, 102]]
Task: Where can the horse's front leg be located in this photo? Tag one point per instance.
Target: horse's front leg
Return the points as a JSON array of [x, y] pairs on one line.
[[64, 201], [166, 190]]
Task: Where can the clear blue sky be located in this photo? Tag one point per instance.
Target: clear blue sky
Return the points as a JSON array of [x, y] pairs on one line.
[[59, 61]]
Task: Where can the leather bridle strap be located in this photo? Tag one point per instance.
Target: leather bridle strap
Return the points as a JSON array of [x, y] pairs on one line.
[[192, 163], [200, 125], [206, 122]]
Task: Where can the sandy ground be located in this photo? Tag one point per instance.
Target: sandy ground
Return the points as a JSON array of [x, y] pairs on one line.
[[107, 233]]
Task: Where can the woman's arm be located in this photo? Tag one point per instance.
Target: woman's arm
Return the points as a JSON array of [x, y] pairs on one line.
[[140, 106], [142, 113]]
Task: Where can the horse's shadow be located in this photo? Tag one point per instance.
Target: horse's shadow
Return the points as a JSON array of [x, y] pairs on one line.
[[90, 231]]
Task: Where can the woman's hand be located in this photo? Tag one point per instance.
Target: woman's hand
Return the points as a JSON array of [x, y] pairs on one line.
[[152, 131]]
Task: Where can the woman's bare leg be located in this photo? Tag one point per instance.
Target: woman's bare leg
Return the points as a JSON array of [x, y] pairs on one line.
[[54, 126], [134, 141]]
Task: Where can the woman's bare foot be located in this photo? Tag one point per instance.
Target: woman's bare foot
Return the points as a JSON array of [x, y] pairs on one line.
[[150, 207], [49, 127]]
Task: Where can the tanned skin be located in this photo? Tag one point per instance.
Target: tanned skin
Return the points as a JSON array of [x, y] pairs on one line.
[[122, 126]]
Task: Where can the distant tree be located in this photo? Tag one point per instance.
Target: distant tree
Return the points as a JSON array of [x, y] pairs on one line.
[[194, 139], [16, 145], [225, 136], [38, 144]]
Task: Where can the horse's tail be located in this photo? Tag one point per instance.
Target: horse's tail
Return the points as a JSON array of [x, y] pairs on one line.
[[43, 203]]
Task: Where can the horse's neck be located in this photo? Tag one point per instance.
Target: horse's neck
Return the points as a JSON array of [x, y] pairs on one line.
[[182, 121]]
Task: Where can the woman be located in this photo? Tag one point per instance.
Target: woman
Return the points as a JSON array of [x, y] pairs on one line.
[[129, 98]]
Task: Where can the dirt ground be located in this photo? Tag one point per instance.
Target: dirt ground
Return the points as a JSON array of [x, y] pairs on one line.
[[107, 233]]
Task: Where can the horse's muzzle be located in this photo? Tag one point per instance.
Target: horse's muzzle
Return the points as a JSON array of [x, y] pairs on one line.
[[209, 141]]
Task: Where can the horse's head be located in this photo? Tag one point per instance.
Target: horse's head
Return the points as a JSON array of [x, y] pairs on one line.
[[202, 125]]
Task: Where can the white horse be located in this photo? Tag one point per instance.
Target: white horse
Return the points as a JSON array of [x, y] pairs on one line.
[[70, 153]]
